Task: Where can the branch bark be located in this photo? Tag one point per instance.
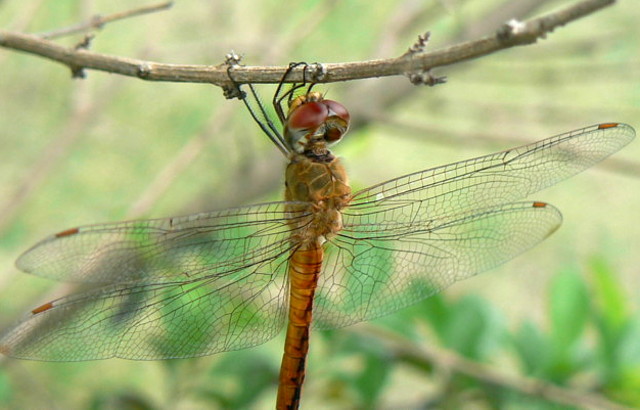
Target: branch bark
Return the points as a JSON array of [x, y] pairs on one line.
[[432, 356], [98, 21], [510, 35]]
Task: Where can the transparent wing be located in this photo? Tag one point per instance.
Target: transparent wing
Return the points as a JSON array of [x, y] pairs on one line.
[[179, 287], [167, 249], [410, 237], [493, 179]]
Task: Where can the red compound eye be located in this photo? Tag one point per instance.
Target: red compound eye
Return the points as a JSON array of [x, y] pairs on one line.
[[337, 109], [308, 116]]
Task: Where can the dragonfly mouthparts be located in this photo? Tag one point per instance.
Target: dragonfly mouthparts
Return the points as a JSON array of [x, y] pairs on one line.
[[317, 154]]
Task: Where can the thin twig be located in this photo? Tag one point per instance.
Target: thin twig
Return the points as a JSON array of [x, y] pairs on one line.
[[20, 22], [98, 21], [431, 356], [510, 35]]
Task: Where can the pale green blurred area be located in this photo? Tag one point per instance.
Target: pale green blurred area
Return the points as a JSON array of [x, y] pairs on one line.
[[111, 148]]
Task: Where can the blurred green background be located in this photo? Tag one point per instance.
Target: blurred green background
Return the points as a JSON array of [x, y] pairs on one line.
[[108, 148]]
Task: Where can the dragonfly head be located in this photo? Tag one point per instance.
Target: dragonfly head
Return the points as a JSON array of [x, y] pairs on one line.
[[313, 124]]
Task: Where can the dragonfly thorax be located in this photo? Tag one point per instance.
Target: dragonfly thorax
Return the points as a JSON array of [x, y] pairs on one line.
[[321, 189], [313, 124], [316, 182]]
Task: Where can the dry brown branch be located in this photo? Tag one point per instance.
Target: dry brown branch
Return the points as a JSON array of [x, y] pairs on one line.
[[98, 21], [510, 35], [428, 356]]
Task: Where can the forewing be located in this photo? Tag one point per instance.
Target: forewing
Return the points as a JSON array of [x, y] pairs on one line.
[[494, 179], [163, 250]]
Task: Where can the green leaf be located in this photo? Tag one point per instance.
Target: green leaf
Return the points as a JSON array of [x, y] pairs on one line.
[[626, 388], [371, 381], [250, 373], [533, 348], [5, 388], [609, 295], [123, 401], [569, 310], [472, 328], [611, 317], [629, 346], [437, 310]]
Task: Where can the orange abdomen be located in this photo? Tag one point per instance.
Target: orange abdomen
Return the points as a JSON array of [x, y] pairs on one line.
[[304, 268]]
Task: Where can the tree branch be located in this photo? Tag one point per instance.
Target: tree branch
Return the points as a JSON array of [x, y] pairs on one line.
[[510, 35], [431, 356], [98, 21]]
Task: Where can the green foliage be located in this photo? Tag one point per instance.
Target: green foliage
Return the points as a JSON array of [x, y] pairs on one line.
[[251, 376], [568, 311], [562, 352], [618, 331], [5, 389], [120, 401], [375, 366]]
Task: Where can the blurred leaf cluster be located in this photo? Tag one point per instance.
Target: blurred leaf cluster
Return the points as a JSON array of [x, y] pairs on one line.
[[589, 345]]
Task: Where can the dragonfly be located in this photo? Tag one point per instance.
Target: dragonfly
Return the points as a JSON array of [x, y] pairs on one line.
[[325, 257]]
